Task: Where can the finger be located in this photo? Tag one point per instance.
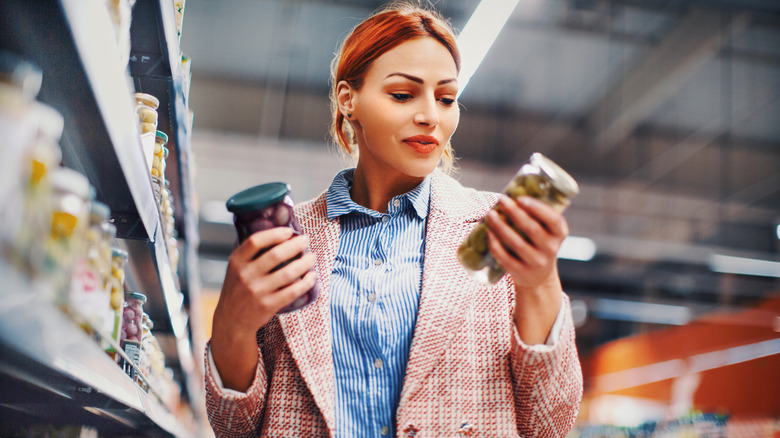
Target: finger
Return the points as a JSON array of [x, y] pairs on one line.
[[508, 261], [261, 240], [289, 273], [551, 220], [281, 253], [521, 220], [292, 292], [507, 236]]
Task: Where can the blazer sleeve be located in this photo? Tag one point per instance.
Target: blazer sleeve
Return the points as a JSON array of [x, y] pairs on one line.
[[547, 382], [233, 413]]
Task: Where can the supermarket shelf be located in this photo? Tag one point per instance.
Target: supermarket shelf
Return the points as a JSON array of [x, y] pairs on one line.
[[98, 115], [155, 66], [43, 348], [85, 81]]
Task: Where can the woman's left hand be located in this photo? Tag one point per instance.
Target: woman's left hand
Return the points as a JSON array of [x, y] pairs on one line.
[[531, 259]]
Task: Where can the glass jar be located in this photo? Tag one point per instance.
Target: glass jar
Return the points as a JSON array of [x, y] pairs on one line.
[[88, 296], [540, 178], [158, 154], [146, 109], [20, 81], [70, 216], [263, 207], [132, 316], [41, 157]]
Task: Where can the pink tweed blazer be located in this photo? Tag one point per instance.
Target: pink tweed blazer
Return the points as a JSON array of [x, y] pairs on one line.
[[469, 374]]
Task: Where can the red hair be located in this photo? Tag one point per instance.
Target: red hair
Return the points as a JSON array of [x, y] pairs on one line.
[[373, 37]]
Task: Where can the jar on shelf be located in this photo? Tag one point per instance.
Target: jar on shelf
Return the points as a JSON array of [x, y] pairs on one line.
[[263, 207], [540, 178], [41, 157], [146, 109], [158, 165], [132, 316], [20, 81], [70, 216], [88, 298], [117, 296]]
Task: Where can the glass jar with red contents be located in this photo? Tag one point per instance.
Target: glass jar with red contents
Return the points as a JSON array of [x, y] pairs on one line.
[[264, 207]]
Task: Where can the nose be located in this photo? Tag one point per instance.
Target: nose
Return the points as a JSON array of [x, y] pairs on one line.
[[427, 114]]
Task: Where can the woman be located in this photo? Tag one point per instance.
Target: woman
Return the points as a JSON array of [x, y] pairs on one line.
[[401, 341]]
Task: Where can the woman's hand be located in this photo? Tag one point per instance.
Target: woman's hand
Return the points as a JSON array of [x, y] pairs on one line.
[[252, 294], [525, 244]]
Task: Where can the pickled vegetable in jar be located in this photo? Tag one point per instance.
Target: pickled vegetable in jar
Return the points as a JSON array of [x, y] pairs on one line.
[[540, 178], [261, 208], [146, 109], [70, 215], [41, 157], [157, 155], [132, 316], [88, 296]]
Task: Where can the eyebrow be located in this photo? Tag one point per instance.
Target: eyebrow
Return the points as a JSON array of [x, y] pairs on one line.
[[419, 80]]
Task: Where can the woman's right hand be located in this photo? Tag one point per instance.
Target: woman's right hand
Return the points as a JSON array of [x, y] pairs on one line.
[[252, 294]]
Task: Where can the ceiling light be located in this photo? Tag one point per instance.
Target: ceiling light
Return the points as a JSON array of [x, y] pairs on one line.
[[778, 231], [744, 266], [577, 248], [479, 34]]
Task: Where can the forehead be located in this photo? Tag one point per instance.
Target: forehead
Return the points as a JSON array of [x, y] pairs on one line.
[[423, 57]]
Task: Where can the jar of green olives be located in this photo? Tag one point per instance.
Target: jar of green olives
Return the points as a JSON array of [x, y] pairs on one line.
[[540, 178]]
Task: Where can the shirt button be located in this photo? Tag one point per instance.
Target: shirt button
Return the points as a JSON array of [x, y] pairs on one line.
[[396, 202], [372, 297], [378, 363], [385, 219], [377, 262], [384, 430]]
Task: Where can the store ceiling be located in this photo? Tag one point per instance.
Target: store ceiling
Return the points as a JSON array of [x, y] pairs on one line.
[[667, 112]]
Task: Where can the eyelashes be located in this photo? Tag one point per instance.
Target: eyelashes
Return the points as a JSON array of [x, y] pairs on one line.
[[405, 97]]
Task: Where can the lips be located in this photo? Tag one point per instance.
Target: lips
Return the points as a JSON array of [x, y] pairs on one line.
[[424, 144]]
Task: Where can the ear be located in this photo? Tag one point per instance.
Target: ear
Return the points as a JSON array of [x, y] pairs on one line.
[[345, 98]]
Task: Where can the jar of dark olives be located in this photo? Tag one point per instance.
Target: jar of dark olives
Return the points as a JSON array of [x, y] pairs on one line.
[[263, 207], [540, 178]]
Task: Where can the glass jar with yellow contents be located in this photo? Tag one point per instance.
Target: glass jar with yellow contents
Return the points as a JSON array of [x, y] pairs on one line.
[[69, 220]]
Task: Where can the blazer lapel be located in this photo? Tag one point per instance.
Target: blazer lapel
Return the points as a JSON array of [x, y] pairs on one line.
[[308, 331], [446, 287]]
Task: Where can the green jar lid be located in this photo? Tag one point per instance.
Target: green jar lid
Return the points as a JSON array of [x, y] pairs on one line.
[[257, 197], [120, 253], [162, 136], [137, 296]]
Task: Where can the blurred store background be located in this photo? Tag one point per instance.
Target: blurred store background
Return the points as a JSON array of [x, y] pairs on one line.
[[666, 111]]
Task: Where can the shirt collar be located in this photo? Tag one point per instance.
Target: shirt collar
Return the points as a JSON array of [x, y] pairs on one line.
[[340, 202]]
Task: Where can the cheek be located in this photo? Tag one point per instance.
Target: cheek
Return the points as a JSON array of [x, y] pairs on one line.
[[452, 121]]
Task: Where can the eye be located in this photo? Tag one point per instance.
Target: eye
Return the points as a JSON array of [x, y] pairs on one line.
[[447, 101], [401, 97]]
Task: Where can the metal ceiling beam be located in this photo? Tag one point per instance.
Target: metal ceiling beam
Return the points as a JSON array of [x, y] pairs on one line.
[[697, 37]]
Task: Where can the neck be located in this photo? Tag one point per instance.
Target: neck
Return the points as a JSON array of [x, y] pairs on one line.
[[375, 189]]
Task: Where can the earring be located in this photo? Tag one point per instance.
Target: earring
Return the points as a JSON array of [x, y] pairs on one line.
[[349, 116]]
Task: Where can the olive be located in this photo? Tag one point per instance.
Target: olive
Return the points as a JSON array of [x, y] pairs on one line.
[[534, 186], [469, 258], [281, 215], [478, 238], [517, 192]]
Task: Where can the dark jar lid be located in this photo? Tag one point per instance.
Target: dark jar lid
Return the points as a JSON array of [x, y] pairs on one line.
[[257, 197]]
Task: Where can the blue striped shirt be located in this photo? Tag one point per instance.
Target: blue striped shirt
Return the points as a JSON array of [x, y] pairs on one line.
[[375, 293]]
